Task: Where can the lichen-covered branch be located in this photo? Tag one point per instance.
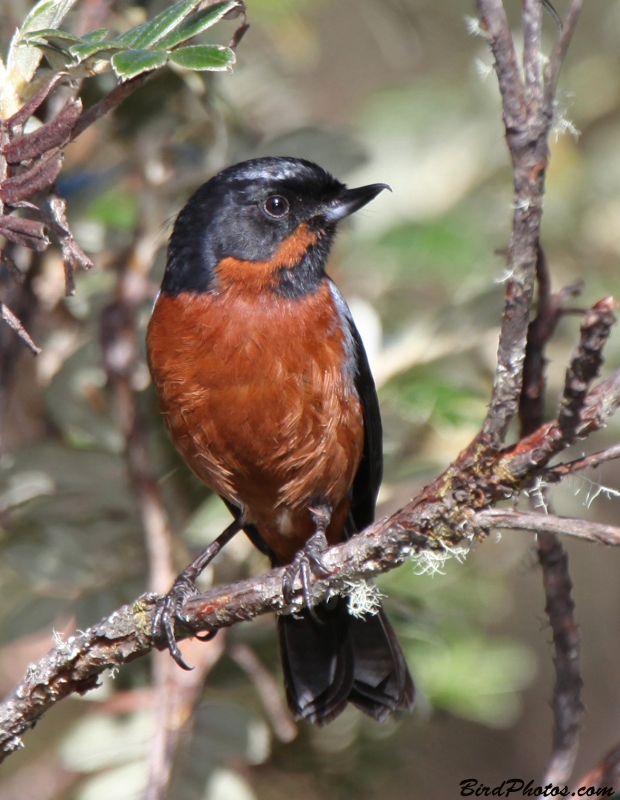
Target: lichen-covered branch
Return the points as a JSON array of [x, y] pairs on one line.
[[427, 529], [527, 130]]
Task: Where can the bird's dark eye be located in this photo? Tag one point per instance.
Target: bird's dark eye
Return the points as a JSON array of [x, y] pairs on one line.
[[276, 206]]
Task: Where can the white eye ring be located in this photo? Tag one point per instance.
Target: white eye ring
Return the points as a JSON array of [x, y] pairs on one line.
[[276, 206]]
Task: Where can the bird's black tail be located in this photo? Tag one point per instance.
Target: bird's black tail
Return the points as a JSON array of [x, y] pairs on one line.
[[342, 659]]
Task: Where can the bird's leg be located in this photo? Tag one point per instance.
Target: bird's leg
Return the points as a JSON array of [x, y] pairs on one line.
[[309, 559], [168, 608]]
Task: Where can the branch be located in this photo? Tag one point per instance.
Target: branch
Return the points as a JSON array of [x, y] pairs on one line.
[[527, 130], [11, 320], [110, 101], [74, 666], [595, 532], [553, 559], [540, 447], [495, 23], [585, 364], [268, 690], [540, 330], [532, 52], [587, 462], [552, 72]]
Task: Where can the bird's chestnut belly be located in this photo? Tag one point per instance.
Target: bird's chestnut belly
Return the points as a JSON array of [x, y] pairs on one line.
[[259, 400]]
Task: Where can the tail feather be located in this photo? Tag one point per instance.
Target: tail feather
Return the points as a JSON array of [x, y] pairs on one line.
[[317, 661], [342, 659], [381, 680]]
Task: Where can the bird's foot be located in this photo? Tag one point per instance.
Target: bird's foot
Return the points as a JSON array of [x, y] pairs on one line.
[[169, 609], [169, 612], [309, 561]]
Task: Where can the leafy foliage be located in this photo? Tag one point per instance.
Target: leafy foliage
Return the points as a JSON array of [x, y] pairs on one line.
[[147, 47]]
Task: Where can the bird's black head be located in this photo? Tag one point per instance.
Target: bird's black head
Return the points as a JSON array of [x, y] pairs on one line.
[[265, 222]]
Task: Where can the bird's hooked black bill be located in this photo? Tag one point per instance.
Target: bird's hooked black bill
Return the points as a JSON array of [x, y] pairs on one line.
[[350, 201]]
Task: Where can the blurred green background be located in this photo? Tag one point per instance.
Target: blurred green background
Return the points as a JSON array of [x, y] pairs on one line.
[[396, 91]]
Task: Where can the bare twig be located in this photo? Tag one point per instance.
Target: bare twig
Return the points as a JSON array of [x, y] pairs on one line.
[[585, 365], [587, 462], [16, 273], [19, 119], [540, 447], [110, 101], [495, 23], [526, 135], [268, 690], [552, 71], [566, 704], [239, 12], [532, 52], [176, 694], [595, 532], [553, 559], [540, 330], [9, 317]]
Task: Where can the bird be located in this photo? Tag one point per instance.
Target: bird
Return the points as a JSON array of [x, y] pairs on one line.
[[266, 391]]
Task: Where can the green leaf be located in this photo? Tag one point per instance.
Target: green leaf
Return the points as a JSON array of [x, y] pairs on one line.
[[196, 23], [128, 64], [54, 36], [87, 50], [49, 13], [58, 57], [96, 36], [203, 57], [22, 61], [149, 33]]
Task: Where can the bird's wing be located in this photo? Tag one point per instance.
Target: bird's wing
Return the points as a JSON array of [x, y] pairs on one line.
[[368, 478]]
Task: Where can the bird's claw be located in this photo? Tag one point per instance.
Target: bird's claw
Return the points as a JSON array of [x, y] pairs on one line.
[[168, 611], [308, 560]]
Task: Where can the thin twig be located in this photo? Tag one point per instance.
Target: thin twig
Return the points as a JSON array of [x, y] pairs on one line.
[[532, 53], [104, 106], [553, 559], [19, 119], [176, 694], [526, 136], [268, 690], [9, 317], [495, 23], [15, 272], [546, 442], [120, 356], [595, 532], [552, 72], [585, 365], [566, 703], [587, 462], [540, 330]]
